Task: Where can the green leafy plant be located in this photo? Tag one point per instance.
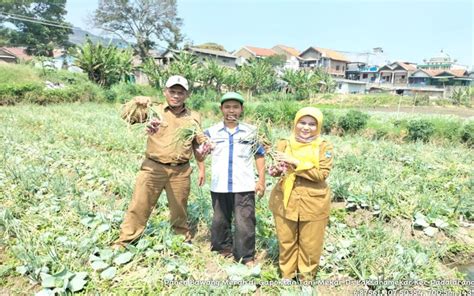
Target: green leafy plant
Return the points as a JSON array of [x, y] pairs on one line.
[[420, 130], [353, 121], [467, 134], [105, 65], [462, 96], [329, 121]]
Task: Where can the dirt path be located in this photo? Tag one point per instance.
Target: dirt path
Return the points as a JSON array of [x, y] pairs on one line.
[[458, 111]]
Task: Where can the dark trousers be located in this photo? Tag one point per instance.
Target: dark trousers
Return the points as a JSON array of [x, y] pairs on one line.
[[243, 205]]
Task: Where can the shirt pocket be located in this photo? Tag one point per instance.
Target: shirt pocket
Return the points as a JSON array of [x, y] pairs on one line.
[[219, 148], [317, 192], [243, 149]]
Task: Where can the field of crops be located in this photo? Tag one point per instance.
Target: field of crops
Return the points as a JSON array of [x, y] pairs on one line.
[[401, 211]]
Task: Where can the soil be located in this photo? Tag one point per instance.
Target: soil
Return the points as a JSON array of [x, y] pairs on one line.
[[359, 217]]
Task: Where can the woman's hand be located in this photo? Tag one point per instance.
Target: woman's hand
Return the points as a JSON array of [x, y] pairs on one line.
[[277, 169], [282, 157]]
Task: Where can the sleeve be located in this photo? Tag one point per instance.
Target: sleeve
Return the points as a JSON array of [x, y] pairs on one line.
[[308, 171], [200, 135], [260, 151], [281, 145]]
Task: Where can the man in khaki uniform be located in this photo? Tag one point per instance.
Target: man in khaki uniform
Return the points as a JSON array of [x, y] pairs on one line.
[[300, 201], [166, 165]]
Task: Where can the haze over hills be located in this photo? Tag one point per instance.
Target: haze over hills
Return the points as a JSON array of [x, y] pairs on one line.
[[79, 37]]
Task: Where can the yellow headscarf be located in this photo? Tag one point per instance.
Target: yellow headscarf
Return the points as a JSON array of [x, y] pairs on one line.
[[306, 153]]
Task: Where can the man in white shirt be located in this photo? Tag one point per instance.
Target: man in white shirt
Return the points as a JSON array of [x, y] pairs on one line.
[[233, 184]]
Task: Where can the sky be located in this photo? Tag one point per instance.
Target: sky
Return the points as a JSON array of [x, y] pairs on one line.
[[406, 30]]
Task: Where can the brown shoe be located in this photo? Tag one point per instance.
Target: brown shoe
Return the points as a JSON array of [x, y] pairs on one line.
[[226, 253]]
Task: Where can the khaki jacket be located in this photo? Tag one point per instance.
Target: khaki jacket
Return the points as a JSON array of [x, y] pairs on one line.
[[310, 198], [162, 146]]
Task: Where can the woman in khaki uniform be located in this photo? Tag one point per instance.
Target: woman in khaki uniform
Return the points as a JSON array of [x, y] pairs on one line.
[[300, 201]]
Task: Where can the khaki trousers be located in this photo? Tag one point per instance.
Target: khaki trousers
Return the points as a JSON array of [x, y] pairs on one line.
[[300, 244], [151, 180]]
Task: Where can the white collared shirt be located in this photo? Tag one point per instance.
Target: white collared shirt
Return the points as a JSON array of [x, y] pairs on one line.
[[233, 165]]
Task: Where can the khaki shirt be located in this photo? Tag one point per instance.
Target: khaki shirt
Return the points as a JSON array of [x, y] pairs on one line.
[[310, 198], [162, 146]]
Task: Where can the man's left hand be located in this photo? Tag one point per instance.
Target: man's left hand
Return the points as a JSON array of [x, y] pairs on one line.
[[204, 149], [201, 178], [260, 189]]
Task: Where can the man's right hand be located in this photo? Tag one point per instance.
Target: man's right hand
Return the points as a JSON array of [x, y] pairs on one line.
[[153, 126]]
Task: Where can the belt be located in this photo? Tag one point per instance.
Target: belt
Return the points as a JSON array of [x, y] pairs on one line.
[[172, 164]]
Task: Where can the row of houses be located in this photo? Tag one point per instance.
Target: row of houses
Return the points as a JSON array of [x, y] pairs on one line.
[[354, 72], [59, 60], [370, 67]]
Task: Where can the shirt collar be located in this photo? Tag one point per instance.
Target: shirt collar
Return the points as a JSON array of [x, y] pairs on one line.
[[167, 106], [239, 128]]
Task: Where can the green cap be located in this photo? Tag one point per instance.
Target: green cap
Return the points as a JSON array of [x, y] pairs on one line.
[[232, 96]]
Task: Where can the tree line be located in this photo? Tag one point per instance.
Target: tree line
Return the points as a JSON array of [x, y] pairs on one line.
[[40, 26]]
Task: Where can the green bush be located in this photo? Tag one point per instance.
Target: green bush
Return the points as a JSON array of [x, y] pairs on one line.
[[266, 111], [301, 94], [123, 92], [329, 121], [449, 129], [77, 93], [467, 134], [462, 96], [382, 132], [196, 102], [400, 123], [288, 110], [275, 96], [420, 129], [353, 121], [11, 94], [14, 93], [280, 113], [216, 108], [422, 100]]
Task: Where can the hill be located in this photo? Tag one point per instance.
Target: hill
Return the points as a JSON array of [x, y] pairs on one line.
[[79, 37]]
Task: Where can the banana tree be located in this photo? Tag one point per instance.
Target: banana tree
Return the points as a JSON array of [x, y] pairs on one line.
[[105, 65], [322, 82], [156, 74], [185, 64], [299, 82], [212, 75], [257, 76]]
